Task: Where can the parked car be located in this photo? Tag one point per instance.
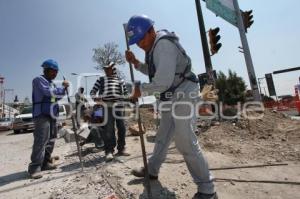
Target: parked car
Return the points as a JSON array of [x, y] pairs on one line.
[[24, 121], [62, 113], [5, 124]]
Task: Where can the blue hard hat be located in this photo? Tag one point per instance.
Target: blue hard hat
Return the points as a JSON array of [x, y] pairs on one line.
[[137, 27], [50, 63]]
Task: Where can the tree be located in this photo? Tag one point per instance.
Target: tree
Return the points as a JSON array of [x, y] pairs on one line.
[[106, 54], [231, 88]]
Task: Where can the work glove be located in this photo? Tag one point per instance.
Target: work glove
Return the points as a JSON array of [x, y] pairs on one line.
[[209, 94]]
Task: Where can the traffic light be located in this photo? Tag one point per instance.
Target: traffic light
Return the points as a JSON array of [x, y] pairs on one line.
[[247, 19], [213, 40]]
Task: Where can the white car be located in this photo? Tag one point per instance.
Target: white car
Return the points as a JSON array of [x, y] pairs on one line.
[[62, 113], [5, 124], [24, 121]]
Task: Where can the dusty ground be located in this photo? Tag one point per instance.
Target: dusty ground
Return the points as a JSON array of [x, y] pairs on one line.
[[273, 139]]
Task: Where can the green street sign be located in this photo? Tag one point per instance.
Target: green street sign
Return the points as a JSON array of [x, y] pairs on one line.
[[223, 9]]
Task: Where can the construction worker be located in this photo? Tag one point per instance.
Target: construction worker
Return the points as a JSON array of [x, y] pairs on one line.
[[112, 91], [94, 117], [169, 70], [79, 104], [45, 94]]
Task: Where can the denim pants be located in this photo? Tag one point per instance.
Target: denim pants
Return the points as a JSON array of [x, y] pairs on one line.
[[44, 136], [109, 135]]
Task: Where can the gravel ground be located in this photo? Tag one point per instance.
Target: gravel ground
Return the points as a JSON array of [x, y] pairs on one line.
[[273, 139]]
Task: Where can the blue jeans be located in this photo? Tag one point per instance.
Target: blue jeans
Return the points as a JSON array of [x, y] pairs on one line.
[[109, 135], [44, 136]]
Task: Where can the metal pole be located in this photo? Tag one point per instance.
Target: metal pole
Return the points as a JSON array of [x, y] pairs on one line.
[[260, 78], [247, 54], [1, 95], [127, 46], [75, 129], [147, 178], [3, 104], [259, 85], [4, 96], [205, 49], [85, 86]]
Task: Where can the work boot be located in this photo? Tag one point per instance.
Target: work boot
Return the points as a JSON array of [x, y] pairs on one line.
[[140, 173], [54, 158], [48, 166], [199, 195], [123, 153], [35, 175], [109, 157]]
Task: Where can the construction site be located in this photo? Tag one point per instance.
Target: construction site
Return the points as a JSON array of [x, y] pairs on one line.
[[149, 99], [253, 158]]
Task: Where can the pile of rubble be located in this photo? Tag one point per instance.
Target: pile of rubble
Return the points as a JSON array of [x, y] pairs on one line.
[[274, 137]]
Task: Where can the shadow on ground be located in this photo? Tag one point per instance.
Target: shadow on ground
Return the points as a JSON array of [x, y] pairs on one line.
[[20, 133], [32, 182], [23, 175]]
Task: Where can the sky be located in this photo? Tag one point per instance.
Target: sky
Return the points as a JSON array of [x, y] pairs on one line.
[[68, 31]]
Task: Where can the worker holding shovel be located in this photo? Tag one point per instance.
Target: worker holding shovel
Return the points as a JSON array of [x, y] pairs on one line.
[[169, 70]]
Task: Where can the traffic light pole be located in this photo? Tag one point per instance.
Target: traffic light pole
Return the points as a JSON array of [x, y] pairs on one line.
[[247, 54], [207, 60]]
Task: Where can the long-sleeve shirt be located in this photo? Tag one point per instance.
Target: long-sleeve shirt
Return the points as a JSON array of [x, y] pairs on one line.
[[79, 97], [44, 93], [110, 88], [166, 57]]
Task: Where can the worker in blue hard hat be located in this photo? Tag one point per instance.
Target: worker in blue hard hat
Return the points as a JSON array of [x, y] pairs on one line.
[[170, 72], [45, 95]]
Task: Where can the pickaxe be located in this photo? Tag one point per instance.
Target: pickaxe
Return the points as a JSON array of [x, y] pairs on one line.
[[148, 186], [75, 131]]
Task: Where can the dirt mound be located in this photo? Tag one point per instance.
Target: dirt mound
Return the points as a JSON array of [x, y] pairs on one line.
[[271, 138], [274, 137]]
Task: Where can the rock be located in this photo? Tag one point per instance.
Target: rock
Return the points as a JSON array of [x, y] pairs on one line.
[[69, 136], [216, 123], [112, 196], [134, 129]]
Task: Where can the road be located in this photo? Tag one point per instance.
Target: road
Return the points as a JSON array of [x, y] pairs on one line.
[[100, 179], [65, 182]]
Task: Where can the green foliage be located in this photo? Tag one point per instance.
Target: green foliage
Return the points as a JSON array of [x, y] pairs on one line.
[[231, 88]]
